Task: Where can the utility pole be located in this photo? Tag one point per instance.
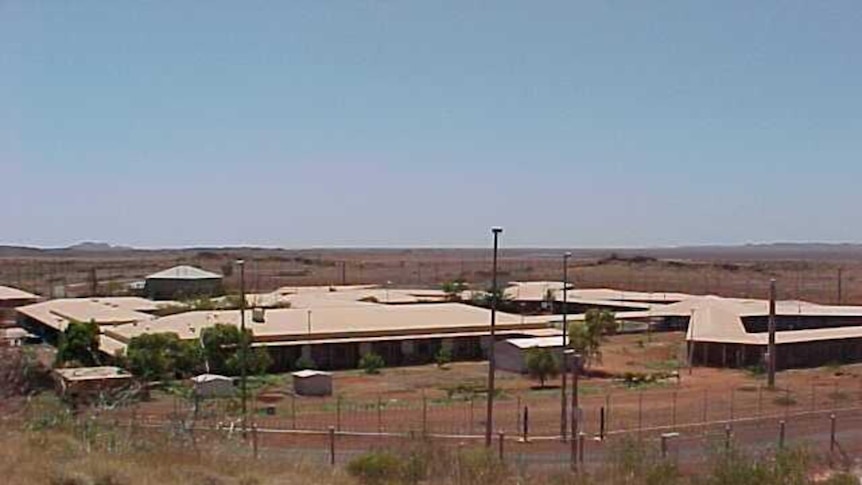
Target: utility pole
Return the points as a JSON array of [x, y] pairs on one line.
[[489, 418], [576, 365], [770, 351], [243, 343], [563, 398]]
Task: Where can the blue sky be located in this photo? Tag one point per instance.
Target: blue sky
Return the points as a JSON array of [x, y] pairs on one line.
[[407, 123]]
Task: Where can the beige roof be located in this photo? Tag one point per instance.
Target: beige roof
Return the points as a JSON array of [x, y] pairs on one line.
[[720, 320], [336, 322], [58, 313], [9, 293], [325, 296], [537, 291], [77, 374]]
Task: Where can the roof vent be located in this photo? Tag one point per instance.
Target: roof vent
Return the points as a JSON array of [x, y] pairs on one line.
[[258, 315]]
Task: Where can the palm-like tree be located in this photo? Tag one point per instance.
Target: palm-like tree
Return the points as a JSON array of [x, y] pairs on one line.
[[587, 339]]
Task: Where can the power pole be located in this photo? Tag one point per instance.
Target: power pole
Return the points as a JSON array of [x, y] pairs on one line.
[[489, 418], [576, 365], [770, 351], [563, 405], [243, 343]]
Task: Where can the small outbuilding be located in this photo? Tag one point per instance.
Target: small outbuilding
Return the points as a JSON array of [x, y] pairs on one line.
[[86, 382], [510, 355], [312, 383], [213, 386], [183, 282]]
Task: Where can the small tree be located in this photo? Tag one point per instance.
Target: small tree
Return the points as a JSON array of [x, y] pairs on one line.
[[79, 343], [159, 356], [371, 363], [223, 351], [587, 339], [541, 364], [443, 357], [454, 289]]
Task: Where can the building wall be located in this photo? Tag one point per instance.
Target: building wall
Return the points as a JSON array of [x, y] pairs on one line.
[[163, 289], [788, 356]]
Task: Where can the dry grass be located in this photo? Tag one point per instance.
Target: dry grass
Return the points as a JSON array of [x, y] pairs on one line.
[[57, 457]]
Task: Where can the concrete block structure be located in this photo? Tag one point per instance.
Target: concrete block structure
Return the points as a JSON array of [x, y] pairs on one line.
[[312, 383]]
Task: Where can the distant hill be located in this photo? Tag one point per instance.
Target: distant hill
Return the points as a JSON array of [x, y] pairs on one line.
[[97, 247], [747, 252]]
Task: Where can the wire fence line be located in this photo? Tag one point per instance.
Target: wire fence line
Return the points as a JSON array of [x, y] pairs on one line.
[[529, 415]]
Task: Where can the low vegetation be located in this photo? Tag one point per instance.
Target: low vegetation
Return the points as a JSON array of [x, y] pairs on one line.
[[542, 364], [371, 363]]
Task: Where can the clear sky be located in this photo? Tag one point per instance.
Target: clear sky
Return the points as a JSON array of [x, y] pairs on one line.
[[424, 123]]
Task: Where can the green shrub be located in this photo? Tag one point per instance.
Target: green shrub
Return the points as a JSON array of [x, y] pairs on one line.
[[376, 467], [443, 357], [371, 363]]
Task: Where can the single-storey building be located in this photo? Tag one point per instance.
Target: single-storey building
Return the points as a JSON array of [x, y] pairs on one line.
[[11, 298], [88, 382], [511, 354], [213, 386], [726, 332], [183, 282]]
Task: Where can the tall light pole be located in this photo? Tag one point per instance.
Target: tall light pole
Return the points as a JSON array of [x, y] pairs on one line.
[[242, 342], [564, 404], [489, 418], [770, 350], [576, 415]]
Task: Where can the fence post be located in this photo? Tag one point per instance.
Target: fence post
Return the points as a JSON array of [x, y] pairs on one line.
[[581, 442], [254, 440], [331, 445], [338, 413], [781, 430], [602, 423], [728, 435], [502, 437], [293, 411], [832, 441], [786, 403], [526, 431], [379, 414], [705, 404]]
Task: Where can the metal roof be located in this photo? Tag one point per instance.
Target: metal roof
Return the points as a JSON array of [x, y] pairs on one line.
[[184, 273], [9, 293]]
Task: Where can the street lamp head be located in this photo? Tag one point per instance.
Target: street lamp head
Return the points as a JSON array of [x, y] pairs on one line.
[[496, 229], [567, 254], [240, 262]]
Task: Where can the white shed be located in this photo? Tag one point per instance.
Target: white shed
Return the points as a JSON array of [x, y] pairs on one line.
[[511, 354], [312, 383], [213, 385]]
